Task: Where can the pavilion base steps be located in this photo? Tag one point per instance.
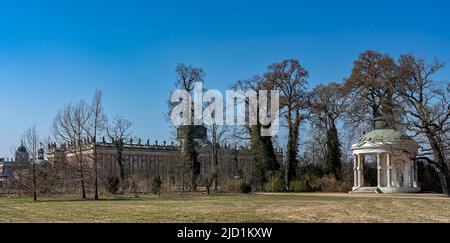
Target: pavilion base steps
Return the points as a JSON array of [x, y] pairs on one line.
[[367, 190]]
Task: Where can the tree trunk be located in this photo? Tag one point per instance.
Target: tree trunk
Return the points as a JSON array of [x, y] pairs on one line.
[[332, 160], [34, 182], [215, 159], [191, 156], [119, 147], [440, 162], [216, 163], [291, 153], [95, 169], [95, 178], [444, 178], [83, 190]]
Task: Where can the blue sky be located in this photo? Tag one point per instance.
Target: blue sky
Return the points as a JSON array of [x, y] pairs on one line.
[[55, 52]]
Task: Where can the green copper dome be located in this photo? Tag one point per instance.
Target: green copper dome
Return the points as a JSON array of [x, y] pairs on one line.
[[384, 135]]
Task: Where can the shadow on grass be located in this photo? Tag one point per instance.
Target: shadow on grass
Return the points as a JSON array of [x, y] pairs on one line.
[[126, 198], [49, 199]]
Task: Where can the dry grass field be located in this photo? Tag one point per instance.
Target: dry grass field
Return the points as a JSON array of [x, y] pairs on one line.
[[233, 208]]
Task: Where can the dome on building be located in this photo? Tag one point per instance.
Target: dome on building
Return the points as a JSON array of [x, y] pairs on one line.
[[22, 149], [384, 135], [393, 153]]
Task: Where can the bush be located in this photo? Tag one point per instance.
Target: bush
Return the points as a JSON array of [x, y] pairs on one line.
[[156, 185], [232, 186], [311, 170], [314, 183], [299, 186], [245, 187], [274, 186], [309, 183], [330, 184], [113, 184], [428, 178]]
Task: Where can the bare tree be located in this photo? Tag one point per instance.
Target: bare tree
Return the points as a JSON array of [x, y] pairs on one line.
[[372, 85], [313, 146], [428, 108], [328, 103], [218, 136], [96, 128], [31, 141], [187, 76], [265, 161], [290, 78], [119, 131], [69, 127]]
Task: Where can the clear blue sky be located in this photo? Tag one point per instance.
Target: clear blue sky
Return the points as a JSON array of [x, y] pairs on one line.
[[54, 52]]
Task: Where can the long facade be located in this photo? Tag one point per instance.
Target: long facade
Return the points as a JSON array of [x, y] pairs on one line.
[[147, 161]]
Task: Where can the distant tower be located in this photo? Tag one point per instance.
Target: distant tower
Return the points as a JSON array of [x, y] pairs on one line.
[[21, 156], [200, 132], [41, 154], [41, 157]]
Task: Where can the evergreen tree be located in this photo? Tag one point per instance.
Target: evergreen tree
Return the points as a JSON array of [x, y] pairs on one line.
[[187, 76], [265, 160], [332, 159], [192, 165], [327, 104], [156, 185], [291, 155]]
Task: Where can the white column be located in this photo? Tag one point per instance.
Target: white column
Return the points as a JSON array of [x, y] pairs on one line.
[[389, 169], [355, 171], [379, 169], [411, 173], [361, 170], [415, 174]]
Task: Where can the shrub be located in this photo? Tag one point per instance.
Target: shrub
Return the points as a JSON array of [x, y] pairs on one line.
[[232, 186], [156, 185], [299, 186], [113, 184], [309, 183], [245, 187], [330, 184], [274, 186], [310, 169], [428, 178], [314, 183]]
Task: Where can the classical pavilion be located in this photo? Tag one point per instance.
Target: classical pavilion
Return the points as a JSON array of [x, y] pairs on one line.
[[394, 153]]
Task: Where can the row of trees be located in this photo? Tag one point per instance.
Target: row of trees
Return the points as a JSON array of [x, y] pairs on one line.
[[76, 124], [404, 91], [73, 126], [320, 122]]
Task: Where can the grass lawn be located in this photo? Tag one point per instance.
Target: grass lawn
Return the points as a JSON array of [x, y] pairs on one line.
[[232, 208]]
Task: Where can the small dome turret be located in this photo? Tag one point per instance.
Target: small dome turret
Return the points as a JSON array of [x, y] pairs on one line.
[[22, 148], [41, 154]]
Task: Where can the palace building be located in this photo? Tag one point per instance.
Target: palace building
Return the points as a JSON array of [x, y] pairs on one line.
[[20, 161], [148, 160]]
